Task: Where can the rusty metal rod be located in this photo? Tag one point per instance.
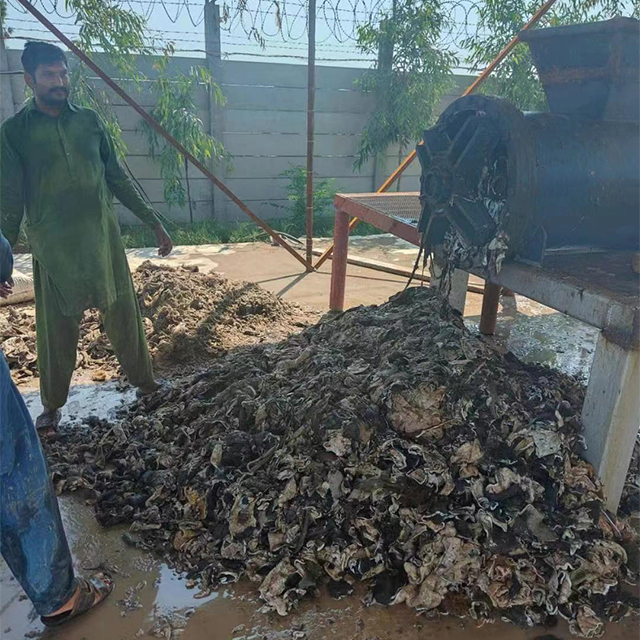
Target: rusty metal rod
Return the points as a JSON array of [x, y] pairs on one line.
[[535, 18], [489, 314], [339, 266], [396, 271], [311, 102], [161, 130], [470, 89]]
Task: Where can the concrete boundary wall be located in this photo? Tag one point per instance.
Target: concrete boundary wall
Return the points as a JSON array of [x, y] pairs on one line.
[[263, 127]]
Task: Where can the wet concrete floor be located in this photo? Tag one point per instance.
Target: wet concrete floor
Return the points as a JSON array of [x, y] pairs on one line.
[[151, 600]]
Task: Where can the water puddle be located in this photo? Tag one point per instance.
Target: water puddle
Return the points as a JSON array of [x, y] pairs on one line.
[[174, 595], [85, 399], [538, 334]]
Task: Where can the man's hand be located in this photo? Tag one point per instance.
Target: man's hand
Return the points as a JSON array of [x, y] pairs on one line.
[[165, 246], [6, 288]]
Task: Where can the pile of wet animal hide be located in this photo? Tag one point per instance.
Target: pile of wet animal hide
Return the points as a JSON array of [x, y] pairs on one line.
[[188, 316], [386, 445]]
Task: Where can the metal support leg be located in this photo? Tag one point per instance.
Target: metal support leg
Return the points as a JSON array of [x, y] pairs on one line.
[[611, 415], [489, 315], [458, 293], [339, 261], [459, 282]]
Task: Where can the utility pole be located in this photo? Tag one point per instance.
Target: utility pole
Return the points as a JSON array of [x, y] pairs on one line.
[[311, 105], [385, 68], [385, 63], [213, 47]]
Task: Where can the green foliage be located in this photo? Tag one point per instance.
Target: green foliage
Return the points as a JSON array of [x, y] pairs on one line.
[[120, 34], [106, 26], [324, 192], [413, 74], [215, 232], [500, 20], [177, 111], [245, 232], [413, 70], [206, 232], [292, 222]]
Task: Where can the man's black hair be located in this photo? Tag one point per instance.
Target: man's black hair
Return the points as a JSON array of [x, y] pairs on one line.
[[37, 53]]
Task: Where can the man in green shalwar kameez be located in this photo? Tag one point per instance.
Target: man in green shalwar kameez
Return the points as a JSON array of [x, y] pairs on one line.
[[58, 164]]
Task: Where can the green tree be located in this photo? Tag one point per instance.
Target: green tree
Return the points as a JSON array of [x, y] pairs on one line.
[[177, 111], [324, 193], [294, 213], [500, 20], [412, 74], [117, 33]]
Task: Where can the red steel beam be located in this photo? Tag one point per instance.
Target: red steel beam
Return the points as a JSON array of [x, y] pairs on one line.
[[345, 208], [339, 266], [379, 220]]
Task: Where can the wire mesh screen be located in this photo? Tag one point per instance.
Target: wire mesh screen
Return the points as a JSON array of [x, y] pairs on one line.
[[404, 207]]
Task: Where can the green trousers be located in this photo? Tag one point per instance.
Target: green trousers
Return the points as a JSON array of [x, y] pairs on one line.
[[57, 340]]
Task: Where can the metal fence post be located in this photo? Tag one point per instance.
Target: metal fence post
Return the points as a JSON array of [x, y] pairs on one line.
[[213, 47], [311, 102]]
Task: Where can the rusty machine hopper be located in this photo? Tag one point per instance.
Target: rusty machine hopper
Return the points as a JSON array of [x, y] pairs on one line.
[[497, 182]]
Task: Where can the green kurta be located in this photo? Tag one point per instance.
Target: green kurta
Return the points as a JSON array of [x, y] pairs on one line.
[[63, 172]]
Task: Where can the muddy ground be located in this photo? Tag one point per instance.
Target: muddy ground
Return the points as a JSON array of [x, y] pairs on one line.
[[189, 318], [231, 613]]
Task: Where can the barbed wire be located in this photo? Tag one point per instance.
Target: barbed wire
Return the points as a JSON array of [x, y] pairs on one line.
[[163, 42], [169, 36], [286, 20], [226, 54]]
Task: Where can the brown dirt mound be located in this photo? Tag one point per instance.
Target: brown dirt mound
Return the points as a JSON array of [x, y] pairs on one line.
[[189, 317], [386, 445]]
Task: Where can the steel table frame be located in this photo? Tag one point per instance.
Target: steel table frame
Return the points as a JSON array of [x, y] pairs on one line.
[[611, 411], [346, 208]]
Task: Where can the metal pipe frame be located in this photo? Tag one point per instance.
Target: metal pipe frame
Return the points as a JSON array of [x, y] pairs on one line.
[[346, 208]]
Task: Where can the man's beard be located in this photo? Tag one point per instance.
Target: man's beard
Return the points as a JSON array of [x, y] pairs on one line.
[[55, 97]]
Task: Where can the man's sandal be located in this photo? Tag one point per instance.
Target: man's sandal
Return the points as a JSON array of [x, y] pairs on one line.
[[90, 592], [48, 420]]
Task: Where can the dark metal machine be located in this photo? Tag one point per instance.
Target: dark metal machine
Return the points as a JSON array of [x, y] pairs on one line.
[[497, 180]]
